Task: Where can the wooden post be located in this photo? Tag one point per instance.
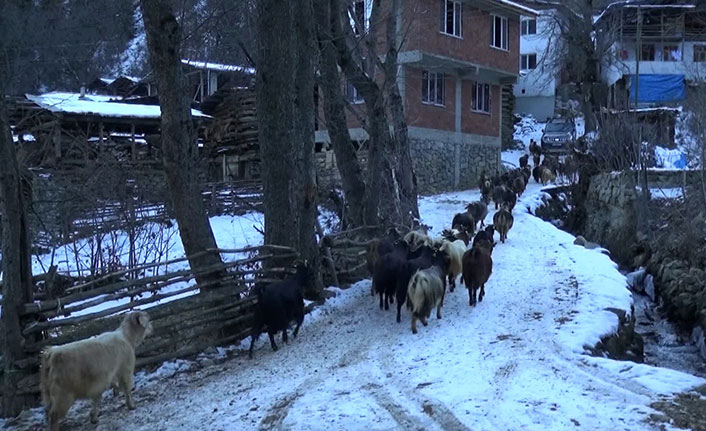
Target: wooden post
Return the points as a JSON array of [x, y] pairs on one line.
[[133, 147], [17, 270], [56, 141], [225, 175], [100, 137]]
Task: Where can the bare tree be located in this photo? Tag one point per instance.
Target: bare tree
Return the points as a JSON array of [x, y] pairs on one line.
[[285, 106], [178, 138], [391, 194], [334, 104], [584, 47]]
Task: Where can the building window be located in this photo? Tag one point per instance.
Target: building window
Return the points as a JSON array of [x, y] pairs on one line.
[[699, 53], [647, 53], [671, 53], [352, 93], [528, 26], [359, 16], [528, 61], [433, 88], [499, 32], [480, 97], [451, 13]]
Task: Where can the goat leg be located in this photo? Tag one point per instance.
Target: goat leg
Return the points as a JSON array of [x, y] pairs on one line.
[[272, 341], [381, 295], [60, 405], [285, 336], [414, 323], [482, 293], [299, 324], [399, 310], [424, 321], [126, 386], [95, 407]]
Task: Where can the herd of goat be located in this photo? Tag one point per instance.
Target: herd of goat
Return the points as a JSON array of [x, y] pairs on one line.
[[410, 268]]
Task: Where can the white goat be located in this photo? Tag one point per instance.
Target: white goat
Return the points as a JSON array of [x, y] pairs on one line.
[[85, 369], [426, 290], [455, 250], [416, 239]]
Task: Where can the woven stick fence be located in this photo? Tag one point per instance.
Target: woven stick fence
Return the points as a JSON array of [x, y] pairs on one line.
[[186, 317]]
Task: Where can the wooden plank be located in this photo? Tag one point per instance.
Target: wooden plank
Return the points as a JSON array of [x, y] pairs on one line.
[[187, 351]]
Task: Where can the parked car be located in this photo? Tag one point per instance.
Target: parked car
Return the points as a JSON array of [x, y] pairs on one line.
[[557, 135]]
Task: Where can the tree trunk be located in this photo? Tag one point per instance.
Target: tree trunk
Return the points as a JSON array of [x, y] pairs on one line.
[[404, 170], [391, 195], [285, 104], [334, 111], [178, 138], [16, 265]]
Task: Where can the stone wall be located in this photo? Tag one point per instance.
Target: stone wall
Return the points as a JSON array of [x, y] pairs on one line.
[[442, 161], [611, 219], [445, 162]]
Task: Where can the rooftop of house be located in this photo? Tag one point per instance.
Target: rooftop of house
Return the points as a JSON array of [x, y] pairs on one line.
[[218, 67], [98, 106], [518, 7]]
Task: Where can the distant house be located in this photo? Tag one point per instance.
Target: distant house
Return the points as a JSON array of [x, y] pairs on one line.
[[122, 86], [205, 78], [457, 64], [665, 41], [535, 91], [71, 128]]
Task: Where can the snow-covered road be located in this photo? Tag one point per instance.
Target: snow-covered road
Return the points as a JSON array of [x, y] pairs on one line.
[[514, 362]]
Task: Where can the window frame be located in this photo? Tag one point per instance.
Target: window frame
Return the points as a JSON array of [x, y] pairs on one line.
[[526, 22], [457, 13], [355, 17], [653, 52], [353, 95], [528, 56], [482, 105], [666, 53], [701, 51], [504, 33], [431, 90]]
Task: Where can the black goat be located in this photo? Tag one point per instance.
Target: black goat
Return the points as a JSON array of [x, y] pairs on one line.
[[379, 247], [524, 160], [485, 235], [385, 272], [278, 304], [465, 221]]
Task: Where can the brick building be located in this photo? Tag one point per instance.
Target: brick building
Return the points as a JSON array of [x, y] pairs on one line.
[[455, 60]]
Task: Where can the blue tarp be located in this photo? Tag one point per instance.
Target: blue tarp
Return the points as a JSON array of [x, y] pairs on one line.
[[658, 88]]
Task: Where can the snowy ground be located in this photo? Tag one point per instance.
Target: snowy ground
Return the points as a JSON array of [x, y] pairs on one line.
[[514, 362]]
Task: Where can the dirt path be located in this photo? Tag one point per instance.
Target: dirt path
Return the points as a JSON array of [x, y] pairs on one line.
[[498, 366]]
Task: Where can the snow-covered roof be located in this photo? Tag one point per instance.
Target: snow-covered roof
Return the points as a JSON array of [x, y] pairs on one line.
[[649, 109], [515, 5], [101, 106], [110, 80], [642, 5], [218, 67]]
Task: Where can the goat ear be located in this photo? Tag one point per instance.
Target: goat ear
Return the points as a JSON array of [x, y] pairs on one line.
[[142, 320]]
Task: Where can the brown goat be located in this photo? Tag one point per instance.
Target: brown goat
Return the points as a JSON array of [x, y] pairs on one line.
[[477, 267], [518, 185], [503, 220], [478, 211]]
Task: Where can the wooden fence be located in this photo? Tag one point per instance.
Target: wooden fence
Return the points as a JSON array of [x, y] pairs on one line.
[[195, 316], [215, 312]]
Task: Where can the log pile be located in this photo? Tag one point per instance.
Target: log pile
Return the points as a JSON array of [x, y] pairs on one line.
[[235, 128]]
